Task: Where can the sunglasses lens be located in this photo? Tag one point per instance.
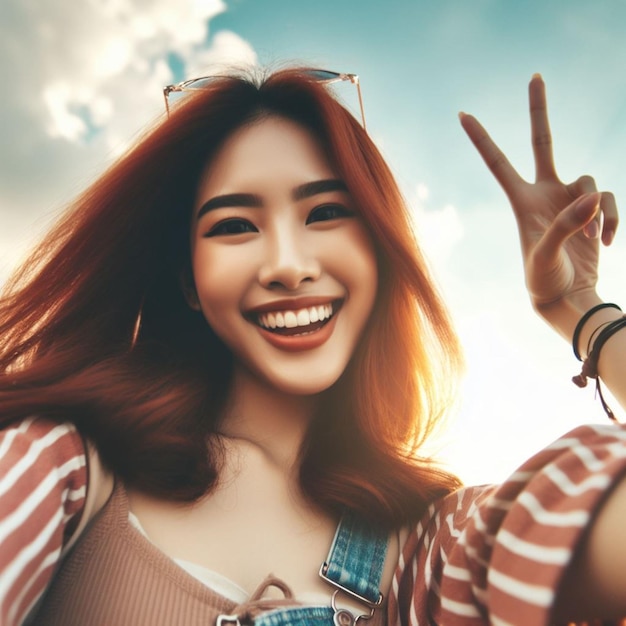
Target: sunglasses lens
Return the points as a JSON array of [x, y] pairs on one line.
[[179, 91], [324, 76], [200, 83], [175, 93]]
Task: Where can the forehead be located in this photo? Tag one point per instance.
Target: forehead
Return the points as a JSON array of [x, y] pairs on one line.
[[269, 151]]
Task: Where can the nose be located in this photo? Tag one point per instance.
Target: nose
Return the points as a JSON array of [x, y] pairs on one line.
[[288, 262]]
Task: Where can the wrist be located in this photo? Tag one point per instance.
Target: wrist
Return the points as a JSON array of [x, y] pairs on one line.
[[585, 320], [565, 314], [593, 327], [597, 339]]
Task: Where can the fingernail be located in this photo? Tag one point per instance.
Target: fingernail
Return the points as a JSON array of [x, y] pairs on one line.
[[592, 230], [462, 114], [538, 75]]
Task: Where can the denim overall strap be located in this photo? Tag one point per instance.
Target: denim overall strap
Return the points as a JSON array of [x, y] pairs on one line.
[[356, 559], [354, 566]]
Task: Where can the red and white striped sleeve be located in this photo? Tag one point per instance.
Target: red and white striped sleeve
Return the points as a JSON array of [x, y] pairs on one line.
[[43, 481], [496, 555]]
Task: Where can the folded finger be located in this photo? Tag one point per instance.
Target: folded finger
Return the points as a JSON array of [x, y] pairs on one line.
[[584, 184], [610, 217], [574, 218]]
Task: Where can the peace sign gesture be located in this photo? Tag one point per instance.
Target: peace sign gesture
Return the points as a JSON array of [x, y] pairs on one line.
[[559, 224]]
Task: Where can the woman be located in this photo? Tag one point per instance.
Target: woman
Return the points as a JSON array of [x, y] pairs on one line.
[[238, 323]]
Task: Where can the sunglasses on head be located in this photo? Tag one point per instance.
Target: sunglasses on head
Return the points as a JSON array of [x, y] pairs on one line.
[[325, 77]]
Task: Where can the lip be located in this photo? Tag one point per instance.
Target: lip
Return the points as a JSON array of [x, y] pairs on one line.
[[302, 342], [292, 304]]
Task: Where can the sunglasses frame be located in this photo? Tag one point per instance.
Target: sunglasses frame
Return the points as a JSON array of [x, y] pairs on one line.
[[325, 77]]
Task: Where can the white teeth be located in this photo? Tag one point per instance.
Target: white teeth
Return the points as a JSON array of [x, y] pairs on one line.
[[294, 319], [291, 321], [304, 319]]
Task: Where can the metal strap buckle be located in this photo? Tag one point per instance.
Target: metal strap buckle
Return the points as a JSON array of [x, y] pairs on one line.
[[352, 594], [225, 620], [344, 617]]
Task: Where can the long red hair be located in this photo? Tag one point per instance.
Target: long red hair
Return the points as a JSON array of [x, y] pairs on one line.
[[67, 318]]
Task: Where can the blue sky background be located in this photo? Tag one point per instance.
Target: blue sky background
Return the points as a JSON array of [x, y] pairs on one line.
[[82, 78]]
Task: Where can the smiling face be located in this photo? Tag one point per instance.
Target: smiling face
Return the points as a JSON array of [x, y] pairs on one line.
[[284, 269]]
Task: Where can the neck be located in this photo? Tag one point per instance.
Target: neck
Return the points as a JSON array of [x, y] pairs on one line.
[[273, 421]]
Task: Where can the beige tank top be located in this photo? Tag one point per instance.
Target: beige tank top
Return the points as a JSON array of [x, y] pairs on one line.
[[114, 576]]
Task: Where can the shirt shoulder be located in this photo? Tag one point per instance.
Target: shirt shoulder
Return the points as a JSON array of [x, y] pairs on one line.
[[497, 553], [43, 485]]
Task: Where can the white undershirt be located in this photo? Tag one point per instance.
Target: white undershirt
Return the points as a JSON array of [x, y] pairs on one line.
[[220, 584]]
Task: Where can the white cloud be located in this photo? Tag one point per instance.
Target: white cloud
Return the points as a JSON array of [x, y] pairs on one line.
[[439, 229], [422, 192], [86, 76], [63, 123], [228, 50], [111, 49], [83, 66]]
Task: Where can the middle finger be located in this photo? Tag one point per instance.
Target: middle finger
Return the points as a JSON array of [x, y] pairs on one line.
[[540, 130]]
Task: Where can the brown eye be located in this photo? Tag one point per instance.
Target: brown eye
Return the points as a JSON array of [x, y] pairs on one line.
[[327, 212], [231, 226]]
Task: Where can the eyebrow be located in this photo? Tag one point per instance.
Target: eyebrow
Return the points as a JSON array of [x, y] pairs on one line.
[[318, 186], [254, 201]]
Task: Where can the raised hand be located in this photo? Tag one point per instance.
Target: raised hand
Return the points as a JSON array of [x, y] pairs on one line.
[[559, 224]]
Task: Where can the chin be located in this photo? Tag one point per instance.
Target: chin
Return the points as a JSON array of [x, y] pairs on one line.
[[304, 385], [299, 389]]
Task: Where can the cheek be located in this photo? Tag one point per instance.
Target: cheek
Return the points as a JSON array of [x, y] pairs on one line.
[[361, 266], [217, 285], [368, 289]]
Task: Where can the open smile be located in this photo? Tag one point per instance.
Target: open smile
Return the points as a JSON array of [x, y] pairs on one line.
[[298, 328], [298, 321]]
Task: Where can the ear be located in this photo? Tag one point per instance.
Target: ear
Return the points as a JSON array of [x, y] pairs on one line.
[[189, 289]]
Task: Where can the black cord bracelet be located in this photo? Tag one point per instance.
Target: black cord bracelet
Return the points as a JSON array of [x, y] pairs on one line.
[[594, 333], [590, 365], [584, 319]]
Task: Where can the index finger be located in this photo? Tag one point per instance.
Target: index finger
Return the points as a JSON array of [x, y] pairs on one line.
[[496, 160]]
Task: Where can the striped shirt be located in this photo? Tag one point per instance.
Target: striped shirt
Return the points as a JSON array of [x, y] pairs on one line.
[[496, 554], [43, 478], [481, 555]]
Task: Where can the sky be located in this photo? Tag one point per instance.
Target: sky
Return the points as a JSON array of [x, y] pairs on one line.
[[82, 77]]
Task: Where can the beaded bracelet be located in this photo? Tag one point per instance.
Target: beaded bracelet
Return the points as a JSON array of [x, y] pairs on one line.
[[584, 319], [590, 365]]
